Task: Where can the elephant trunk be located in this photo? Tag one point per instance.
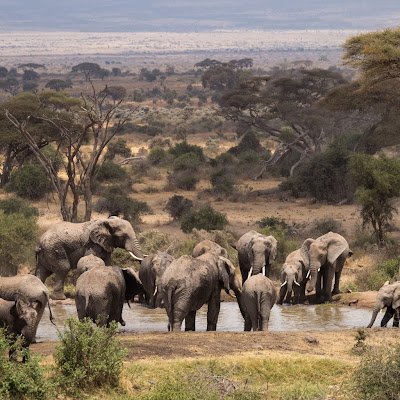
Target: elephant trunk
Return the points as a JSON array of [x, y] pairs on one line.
[[310, 287], [134, 249], [290, 280], [374, 315], [257, 266]]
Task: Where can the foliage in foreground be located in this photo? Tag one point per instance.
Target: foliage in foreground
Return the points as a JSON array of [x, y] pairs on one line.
[[20, 380], [88, 356], [377, 377]]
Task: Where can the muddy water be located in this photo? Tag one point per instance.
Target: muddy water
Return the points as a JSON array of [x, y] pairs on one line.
[[283, 318]]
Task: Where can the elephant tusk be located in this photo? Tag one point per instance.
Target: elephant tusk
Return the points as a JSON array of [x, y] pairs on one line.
[[319, 269], [284, 283], [232, 295], [263, 270], [251, 271], [155, 291], [308, 274], [296, 283], [134, 257]]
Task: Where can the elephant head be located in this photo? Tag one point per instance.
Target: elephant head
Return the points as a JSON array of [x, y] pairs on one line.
[[261, 252], [316, 253], [132, 283], [227, 275], [289, 277], [206, 246], [388, 296], [25, 316], [116, 232]]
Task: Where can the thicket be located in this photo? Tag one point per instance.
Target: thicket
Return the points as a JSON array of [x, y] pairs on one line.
[[177, 206], [117, 148], [110, 171], [203, 218]]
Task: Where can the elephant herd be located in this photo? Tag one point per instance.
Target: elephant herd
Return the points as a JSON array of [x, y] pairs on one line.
[[181, 286]]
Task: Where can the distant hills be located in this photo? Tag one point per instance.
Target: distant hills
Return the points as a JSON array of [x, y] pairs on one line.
[[201, 15]]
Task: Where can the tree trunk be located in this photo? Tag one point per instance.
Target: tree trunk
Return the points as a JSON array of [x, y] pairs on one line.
[[7, 167], [88, 199]]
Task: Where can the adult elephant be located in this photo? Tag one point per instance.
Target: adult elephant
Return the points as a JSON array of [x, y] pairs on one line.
[[32, 291], [150, 273], [208, 246], [293, 278], [65, 243], [88, 262], [101, 293], [324, 259], [188, 283], [256, 253], [388, 296], [258, 297], [18, 318]]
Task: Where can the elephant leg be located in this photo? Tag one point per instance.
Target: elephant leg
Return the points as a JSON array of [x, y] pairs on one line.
[[60, 275], [328, 279], [190, 321], [338, 273], [318, 289], [387, 317], [42, 273], [282, 294], [396, 319], [247, 323], [302, 292], [214, 306], [296, 296]]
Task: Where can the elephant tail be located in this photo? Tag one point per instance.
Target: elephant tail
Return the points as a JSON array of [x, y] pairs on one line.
[[38, 250], [50, 312], [259, 299], [169, 306]]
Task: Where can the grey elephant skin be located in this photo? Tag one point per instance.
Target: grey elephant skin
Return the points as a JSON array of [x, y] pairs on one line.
[[258, 297], [324, 258], [88, 262], [388, 296], [18, 318], [151, 270], [208, 246], [255, 252], [31, 290], [61, 247], [188, 283], [293, 282], [101, 292]]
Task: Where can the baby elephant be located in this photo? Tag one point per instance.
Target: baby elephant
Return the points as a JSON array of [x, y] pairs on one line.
[[18, 318], [258, 297], [88, 262], [101, 293]]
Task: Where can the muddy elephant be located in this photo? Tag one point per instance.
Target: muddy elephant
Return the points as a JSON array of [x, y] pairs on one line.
[[101, 292], [324, 259], [150, 273], [293, 279], [32, 291], [61, 247], [256, 253], [188, 283], [388, 296], [88, 262], [258, 297], [208, 246], [18, 318]]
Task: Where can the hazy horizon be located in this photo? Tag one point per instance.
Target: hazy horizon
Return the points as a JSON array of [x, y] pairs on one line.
[[192, 16]]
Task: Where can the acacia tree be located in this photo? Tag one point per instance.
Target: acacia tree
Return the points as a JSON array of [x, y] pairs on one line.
[[284, 106], [93, 121]]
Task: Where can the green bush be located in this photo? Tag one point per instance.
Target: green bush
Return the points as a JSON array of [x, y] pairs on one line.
[[324, 225], [377, 377], [108, 171], [88, 356], [29, 182], [374, 277], [15, 205], [185, 180], [184, 148], [117, 202], [157, 155], [204, 218], [17, 231], [20, 380], [177, 206], [187, 162], [223, 181], [117, 148]]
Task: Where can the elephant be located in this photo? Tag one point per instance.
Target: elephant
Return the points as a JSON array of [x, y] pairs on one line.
[[61, 247], [256, 253], [88, 262], [324, 259], [258, 297], [293, 279], [31, 291], [18, 318], [101, 292], [150, 273], [208, 246], [388, 296], [188, 283]]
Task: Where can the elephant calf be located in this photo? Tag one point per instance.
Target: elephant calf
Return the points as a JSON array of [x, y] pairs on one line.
[[89, 262], [208, 246], [18, 318], [258, 297], [101, 293]]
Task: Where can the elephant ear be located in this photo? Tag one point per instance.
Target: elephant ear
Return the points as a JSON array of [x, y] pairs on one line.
[[304, 252], [396, 298], [335, 249], [273, 247], [132, 282], [101, 235], [225, 270]]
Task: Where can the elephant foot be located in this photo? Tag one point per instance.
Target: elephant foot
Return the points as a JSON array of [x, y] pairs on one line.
[[58, 296], [122, 322], [336, 291]]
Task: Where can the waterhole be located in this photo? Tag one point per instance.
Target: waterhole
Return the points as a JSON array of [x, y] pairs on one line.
[[283, 318]]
